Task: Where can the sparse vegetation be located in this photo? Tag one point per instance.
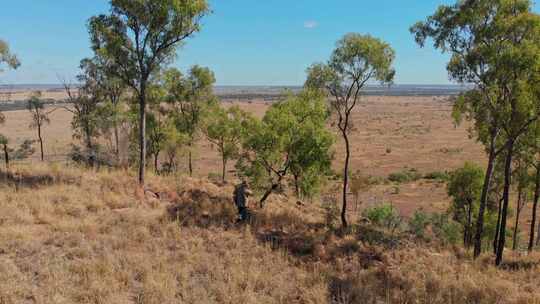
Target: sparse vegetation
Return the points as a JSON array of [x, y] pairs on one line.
[[101, 229], [405, 176]]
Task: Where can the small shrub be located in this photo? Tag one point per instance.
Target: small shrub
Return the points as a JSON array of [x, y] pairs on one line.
[[331, 214], [405, 176], [438, 176], [201, 209], [418, 223], [385, 216], [214, 177], [445, 229], [25, 150]]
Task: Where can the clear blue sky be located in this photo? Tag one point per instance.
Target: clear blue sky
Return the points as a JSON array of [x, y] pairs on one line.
[[245, 42]]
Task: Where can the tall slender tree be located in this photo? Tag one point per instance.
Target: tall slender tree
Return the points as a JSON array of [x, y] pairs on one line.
[[40, 117], [356, 60], [138, 38]]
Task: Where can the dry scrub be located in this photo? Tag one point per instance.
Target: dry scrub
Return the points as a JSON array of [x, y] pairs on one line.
[[86, 237]]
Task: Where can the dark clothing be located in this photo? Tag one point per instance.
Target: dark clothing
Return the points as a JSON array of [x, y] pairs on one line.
[[243, 212], [240, 196], [240, 200]]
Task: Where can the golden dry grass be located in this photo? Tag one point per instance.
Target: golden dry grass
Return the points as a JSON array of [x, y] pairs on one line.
[[94, 237]]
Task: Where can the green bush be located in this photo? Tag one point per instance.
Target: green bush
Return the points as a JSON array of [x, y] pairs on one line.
[[385, 216], [331, 214], [418, 223], [405, 176], [438, 176], [444, 228]]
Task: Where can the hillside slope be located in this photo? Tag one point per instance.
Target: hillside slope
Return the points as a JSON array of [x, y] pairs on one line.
[[71, 236]]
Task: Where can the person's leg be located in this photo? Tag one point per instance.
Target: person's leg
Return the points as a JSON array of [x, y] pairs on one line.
[[243, 213]]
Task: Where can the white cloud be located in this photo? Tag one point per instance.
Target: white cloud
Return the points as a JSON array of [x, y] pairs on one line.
[[310, 24]]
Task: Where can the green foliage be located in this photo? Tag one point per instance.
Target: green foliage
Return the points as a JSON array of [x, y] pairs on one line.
[[356, 60], [405, 176], [465, 186], [224, 128], [385, 216], [441, 176], [25, 150], [86, 104], [331, 214], [444, 228], [36, 107], [136, 45], [7, 57], [290, 139], [190, 98], [137, 39], [418, 223]]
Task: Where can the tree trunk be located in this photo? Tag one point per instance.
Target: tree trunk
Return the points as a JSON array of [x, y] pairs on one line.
[[40, 142], [223, 167], [142, 134], [506, 202], [496, 237], [116, 142], [89, 146], [6, 156], [483, 202], [190, 163], [345, 178], [519, 205], [267, 194], [156, 157], [535, 207], [269, 191], [468, 237], [296, 186]]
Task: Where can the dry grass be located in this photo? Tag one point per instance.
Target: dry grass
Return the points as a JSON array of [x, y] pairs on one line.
[[101, 240]]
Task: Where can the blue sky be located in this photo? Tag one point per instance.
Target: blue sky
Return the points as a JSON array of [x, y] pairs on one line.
[[245, 42]]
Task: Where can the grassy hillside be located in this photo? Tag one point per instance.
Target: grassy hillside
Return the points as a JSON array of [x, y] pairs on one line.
[[72, 236]]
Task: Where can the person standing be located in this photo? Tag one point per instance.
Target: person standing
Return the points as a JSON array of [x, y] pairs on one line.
[[241, 193]]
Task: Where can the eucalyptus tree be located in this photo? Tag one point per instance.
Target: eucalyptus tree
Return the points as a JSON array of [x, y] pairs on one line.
[[138, 38], [357, 60], [190, 97], [490, 41], [271, 146], [85, 101], [40, 117], [224, 128], [158, 128], [520, 69], [113, 92]]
